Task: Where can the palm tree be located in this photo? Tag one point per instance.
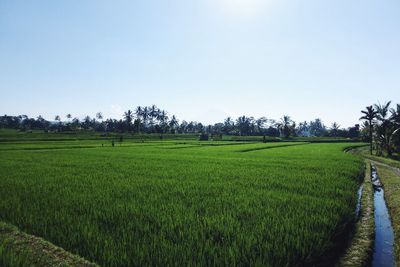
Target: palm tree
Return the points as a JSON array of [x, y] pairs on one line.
[[145, 116], [382, 110], [86, 122], [395, 119], [369, 115], [128, 117], [138, 111], [383, 128], [162, 117], [260, 122], [335, 128], [284, 125], [99, 115], [229, 125], [154, 115], [58, 118], [139, 115], [173, 123], [69, 116]]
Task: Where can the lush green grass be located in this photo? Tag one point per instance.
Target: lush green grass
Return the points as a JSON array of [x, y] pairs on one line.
[[7, 135], [19, 249], [364, 151], [182, 203], [361, 247], [391, 181]]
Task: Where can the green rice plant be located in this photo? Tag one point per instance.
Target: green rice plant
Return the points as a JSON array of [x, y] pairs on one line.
[[144, 204]]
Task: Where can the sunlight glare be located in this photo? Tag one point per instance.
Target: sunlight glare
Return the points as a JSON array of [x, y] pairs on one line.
[[243, 7]]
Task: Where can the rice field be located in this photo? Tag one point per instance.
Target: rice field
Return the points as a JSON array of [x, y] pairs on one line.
[[182, 203]]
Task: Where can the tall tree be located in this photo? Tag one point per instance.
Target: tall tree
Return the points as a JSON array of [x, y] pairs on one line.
[[99, 116], [284, 125], [335, 129], [145, 116], [369, 115], [260, 124], [163, 120], [383, 128], [395, 119], [173, 124], [128, 118], [139, 116], [229, 125]]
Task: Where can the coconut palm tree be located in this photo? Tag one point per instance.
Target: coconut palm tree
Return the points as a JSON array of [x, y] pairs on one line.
[[162, 117], [370, 115], [284, 125], [229, 125], [139, 116], [382, 110], [395, 120], [69, 116], [335, 129], [395, 117], [173, 124], [58, 118], [383, 128], [128, 118], [99, 116], [145, 116], [260, 123]]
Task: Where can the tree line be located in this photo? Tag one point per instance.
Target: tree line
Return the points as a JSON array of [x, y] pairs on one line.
[[151, 119], [383, 125]]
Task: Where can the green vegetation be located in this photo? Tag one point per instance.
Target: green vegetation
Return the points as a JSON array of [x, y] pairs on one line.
[[20, 249], [182, 202], [391, 180], [382, 124], [389, 173], [384, 160], [152, 120], [362, 244]]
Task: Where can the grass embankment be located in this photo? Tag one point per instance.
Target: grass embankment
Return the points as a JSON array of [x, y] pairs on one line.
[[391, 182], [8, 135], [364, 151], [18, 249], [361, 247], [389, 173]]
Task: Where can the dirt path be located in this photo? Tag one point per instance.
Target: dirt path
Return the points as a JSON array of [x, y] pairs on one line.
[[394, 169]]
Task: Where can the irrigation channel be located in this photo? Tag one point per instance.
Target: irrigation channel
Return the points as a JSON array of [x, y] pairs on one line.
[[383, 255]]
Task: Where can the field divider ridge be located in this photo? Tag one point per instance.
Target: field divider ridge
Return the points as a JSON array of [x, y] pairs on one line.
[[359, 252], [21, 249], [271, 147]]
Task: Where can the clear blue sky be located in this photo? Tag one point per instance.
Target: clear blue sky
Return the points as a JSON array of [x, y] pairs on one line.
[[200, 59]]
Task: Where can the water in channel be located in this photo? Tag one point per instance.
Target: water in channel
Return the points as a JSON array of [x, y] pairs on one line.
[[384, 237]]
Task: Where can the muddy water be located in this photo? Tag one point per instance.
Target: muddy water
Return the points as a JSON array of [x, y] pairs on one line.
[[384, 238]]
